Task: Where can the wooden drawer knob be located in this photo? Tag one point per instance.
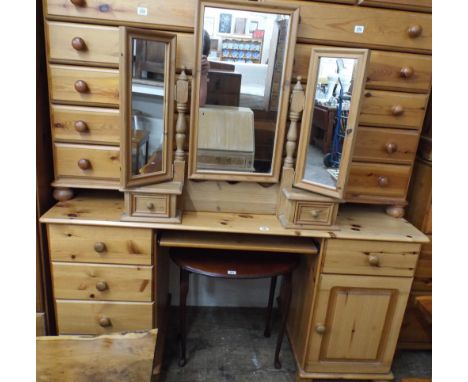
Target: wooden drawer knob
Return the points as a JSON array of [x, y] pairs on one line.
[[397, 110], [150, 205], [105, 322], [99, 247], [320, 329], [84, 164], [81, 126], [383, 181], [314, 213], [406, 72], [415, 31], [101, 286], [78, 43], [374, 260], [78, 3], [81, 86], [391, 148]]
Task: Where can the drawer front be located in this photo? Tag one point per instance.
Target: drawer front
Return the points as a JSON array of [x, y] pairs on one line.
[[84, 85], [375, 258], [416, 5], [89, 244], [83, 43], [150, 205], [385, 145], [89, 317], [373, 179], [85, 124], [101, 162], [102, 282], [392, 109], [313, 213]]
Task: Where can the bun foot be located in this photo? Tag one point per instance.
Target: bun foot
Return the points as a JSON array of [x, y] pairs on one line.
[[395, 211], [62, 194]]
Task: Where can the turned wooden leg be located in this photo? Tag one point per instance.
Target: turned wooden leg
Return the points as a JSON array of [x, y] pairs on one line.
[[184, 286], [284, 316], [267, 332], [62, 194], [395, 211]]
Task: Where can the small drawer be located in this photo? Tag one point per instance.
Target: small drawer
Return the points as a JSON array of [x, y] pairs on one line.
[[150, 205], [375, 179], [379, 258], [85, 124], [414, 5], [83, 85], [313, 213], [90, 317], [385, 145], [102, 282], [392, 109], [85, 161], [83, 43], [89, 244]]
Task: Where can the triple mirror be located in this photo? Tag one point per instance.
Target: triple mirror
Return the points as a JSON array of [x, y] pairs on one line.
[[329, 121], [244, 57], [147, 79]]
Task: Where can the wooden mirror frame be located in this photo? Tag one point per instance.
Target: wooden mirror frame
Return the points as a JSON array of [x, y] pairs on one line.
[[285, 88], [126, 36], [361, 56]]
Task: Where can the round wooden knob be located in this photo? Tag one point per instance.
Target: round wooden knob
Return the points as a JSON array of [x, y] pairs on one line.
[[81, 126], [81, 86], [383, 181], [101, 286], [314, 213], [105, 322], [320, 329], [78, 3], [415, 31], [99, 247], [150, 205], [397, 110], [406, 72], [374, 260], [78, 43], [84, 164], [391, 148]]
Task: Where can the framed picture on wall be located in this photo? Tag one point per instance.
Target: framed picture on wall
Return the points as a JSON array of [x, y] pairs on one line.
[[239, 26], [225, 21], [253, 26]]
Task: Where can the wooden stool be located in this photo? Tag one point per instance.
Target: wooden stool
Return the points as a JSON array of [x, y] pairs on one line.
[[235, 265]]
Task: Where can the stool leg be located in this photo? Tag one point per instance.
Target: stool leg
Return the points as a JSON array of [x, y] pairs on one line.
[[285, 310], [184, 286], [267, 332]]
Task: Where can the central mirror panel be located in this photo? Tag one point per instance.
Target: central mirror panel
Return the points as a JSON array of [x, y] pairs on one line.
[[240, 97]]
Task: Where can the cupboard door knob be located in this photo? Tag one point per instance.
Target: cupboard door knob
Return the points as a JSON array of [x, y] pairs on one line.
[[314, 213], [99, 247], [391, 148], [78, 43], [397, 110], [406, 72], [320, 329], [101, 286], [383, 181], [81, 126], [374, 260], [415, 31], [105, 322], [78, 3], [81, 86], [150, 205], [84, 164]]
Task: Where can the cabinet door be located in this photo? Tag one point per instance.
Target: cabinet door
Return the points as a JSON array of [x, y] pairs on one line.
[[356, 323]]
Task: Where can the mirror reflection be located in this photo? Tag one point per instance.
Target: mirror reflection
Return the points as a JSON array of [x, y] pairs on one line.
[[332, 102], [243, 55], [147, 100]]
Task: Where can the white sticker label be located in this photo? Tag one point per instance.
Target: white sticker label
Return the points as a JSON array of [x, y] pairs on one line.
[[359, 29], [264, 228], [142, 11], [232, 272]]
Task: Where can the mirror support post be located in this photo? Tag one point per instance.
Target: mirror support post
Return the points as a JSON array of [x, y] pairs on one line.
[[295, 111], [181, 96]]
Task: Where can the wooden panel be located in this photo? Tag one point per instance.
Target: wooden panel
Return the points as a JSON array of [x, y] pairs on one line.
[[176, 14], [103, 125], [115, 357], [423, 275], [365, 179], [105, 161], [415, 5], [103, 85], [361, 316], [378, 108], [359, 258], [385, 145], [414, 332], [420, 196], [313, 213], [82, 317], [40, 324], [85, 281], [101, 44], [121, 245], [150, 205]]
